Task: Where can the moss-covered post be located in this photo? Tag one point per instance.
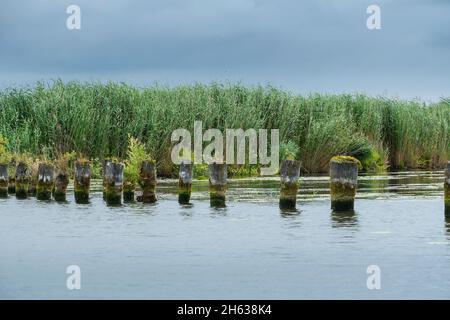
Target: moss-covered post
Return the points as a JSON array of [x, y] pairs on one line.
[[128, 191], [343, 182], [3, 180], [32, 191], [45, 182], [147, 181], [447, 190], [22, 180], [33, 180], [218, 174], [289, 175], [105, 163], [113, 180], [82, 181], [61, 183], [185, 183], [12, 178], [12, 185]]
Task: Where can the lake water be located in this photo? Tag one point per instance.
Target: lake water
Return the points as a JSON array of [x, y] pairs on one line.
[[249, 250]]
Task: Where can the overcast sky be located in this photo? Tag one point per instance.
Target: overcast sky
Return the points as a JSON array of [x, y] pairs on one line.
[[302, 46]]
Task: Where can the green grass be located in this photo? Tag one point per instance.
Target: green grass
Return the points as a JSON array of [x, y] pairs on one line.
[[95, 120]]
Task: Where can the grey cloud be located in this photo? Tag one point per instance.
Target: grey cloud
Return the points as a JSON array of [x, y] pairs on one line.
[[302, 46]]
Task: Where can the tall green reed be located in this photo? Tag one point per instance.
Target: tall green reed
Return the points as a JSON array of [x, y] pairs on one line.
[[96, 119]]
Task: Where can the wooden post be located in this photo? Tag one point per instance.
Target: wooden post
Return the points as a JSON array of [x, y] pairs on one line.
[[45, 182], [32, 191], [128, 191], [12, 185], [185, 183], [147, 181], [61, 183], [12, 178], [82, 181], [3, 180], [343, 182], [113, 180], [22, 180], [289, 176], [447, 189], [105, 163], [33, 180], [217, 184]]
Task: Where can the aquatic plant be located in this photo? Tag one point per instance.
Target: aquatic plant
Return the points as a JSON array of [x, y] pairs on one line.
[[242, 171], [288, 151], [25, 158], [97, 119], [136, 154], [64, 162], [201, 171], [5, 155]]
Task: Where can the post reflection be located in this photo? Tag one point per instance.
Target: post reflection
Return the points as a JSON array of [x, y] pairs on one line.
[[218, 211], [344, 219], [292, 218], [288, 213], [447, 225]]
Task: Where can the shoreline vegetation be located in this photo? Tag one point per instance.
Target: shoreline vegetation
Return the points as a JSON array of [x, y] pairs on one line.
[[101, 121]]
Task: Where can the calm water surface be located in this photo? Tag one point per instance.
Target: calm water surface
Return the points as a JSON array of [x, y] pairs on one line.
[[248, 250]]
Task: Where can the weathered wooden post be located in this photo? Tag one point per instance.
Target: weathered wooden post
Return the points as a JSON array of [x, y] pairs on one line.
[[22, 180], [82, 181], [34, 169], [45, 181], [32, 191], [343, 182], [447, 189], [61, 183], [128, 191], [105, 163], [218, 174], [12, 185], [185, 183], [289, 175], [113, 178], [3, 180], [12, 177], [147, 181]]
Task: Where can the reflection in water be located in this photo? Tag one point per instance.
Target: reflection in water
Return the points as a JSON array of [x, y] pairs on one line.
[[447, 225], [248, 249], [368, 185], [292, 218], [313, 188], [218, 211], [186, 210], [287, 213], [344, 219]]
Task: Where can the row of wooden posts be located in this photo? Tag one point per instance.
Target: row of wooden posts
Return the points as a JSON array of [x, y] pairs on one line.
[[343, 183]]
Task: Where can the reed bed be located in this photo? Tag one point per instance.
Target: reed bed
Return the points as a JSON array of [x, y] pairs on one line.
[[96, 120]]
